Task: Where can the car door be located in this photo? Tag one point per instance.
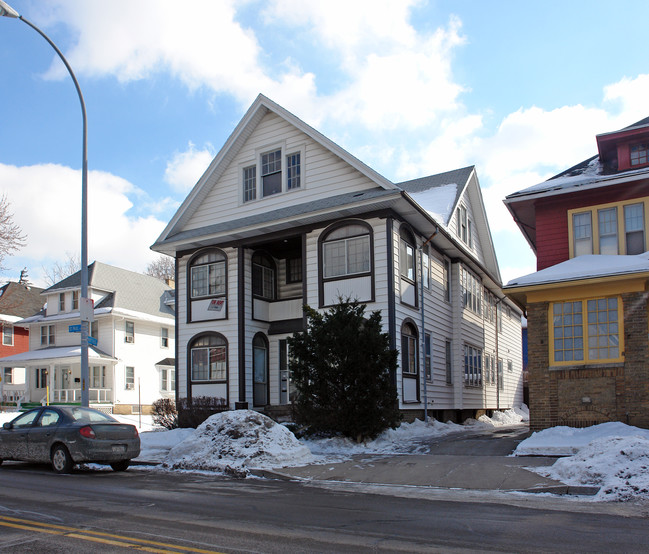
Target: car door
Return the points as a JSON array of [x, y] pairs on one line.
[[14, 437], [42, 434]]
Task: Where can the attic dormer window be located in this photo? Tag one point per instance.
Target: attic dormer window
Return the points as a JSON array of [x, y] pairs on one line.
[[276, 171], [640, 153], [271, 173]]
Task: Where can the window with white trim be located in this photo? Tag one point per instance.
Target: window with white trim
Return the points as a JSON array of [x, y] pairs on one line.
[[7, 334], [40, 380], [129, 378], [47, 335], [98, 376], [8, 375], [471, 292], [164, 337], [167, 379], [472, 366], [129, 331], [61, 302], [275, 171], [207, 275], [75, 300]]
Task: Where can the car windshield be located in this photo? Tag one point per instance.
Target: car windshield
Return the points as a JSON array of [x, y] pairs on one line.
[[88, 415]]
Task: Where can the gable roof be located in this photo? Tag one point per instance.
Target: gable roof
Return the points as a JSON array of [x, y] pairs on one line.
[[18, 301], [127, 290], [590, 174], [428, 203], [259, 108]]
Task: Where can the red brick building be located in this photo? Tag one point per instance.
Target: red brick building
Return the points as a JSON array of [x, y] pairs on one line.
[[588, 348], [17, 301]]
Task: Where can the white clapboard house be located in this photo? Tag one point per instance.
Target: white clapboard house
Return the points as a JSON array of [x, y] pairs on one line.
[[283, 217], [131, 350]]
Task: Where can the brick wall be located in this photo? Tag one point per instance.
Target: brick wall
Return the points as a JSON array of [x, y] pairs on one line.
[[587, 395]]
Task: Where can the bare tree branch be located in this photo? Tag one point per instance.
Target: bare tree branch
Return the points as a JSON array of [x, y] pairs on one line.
[[12, 238], [163, 268], [62, 269]]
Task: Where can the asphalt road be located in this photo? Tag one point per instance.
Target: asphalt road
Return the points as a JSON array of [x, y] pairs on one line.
[[103, 511]]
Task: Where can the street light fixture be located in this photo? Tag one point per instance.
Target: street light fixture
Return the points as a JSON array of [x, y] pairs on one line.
[[85, 303]]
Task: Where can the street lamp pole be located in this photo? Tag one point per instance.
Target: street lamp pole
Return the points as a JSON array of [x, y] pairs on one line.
[[85, 305]]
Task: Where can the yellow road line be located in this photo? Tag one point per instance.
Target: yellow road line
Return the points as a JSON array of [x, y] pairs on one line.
[[97, 536]]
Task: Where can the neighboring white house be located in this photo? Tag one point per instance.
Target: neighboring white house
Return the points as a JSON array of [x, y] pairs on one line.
[[284, 217], [132, 342]]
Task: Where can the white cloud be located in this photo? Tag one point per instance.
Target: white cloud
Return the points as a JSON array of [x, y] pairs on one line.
[[46, 203], [186, 168]]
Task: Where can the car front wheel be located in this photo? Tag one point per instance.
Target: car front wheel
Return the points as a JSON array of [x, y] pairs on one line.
[[61, 459]]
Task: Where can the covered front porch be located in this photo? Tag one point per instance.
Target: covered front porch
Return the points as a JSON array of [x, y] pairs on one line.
[[53, 375]]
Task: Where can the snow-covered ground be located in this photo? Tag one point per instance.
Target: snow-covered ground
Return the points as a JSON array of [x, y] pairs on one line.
[[612, 456]]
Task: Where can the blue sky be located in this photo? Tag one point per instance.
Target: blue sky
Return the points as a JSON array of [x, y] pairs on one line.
[[412, 88]]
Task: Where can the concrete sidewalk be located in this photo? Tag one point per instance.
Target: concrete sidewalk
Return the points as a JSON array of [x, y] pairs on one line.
[[479, 461]]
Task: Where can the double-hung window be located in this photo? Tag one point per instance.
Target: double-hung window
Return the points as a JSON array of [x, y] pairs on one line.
[[75, 299], [47, 335], [634, 232], [583, 233], [129, 331], [275, 171], [346, 251], [472, 366], [61, 302], [271, 173], [167, 379], [263, 277], [585, 331], [471, 292], [164, 337], [607, 221], [129, 378], [7, 334]]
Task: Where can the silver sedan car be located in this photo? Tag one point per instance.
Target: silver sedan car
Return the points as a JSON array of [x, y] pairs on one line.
[[69, 435]]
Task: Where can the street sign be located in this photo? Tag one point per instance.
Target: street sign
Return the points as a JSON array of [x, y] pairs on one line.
[[92, 340], [74, 328]]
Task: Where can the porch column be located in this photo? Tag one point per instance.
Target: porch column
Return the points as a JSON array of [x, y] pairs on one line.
[[50, 383]]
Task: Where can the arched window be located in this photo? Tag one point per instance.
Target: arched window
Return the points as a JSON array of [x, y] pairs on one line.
[[208, 358], [263, 276], [207, 273], [346, 251], [409, 350]]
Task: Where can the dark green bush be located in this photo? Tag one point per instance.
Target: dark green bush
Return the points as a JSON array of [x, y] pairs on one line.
[[342, 367], [194, 411]]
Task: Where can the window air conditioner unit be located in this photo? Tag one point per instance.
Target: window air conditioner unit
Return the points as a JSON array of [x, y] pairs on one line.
[[128, 339]]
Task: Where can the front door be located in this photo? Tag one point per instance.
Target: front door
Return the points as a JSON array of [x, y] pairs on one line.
[[260, 370]]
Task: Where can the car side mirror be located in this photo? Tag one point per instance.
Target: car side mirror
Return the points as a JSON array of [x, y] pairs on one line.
[[7, 425]]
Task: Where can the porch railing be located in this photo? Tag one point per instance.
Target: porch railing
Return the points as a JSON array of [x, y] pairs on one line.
[[74, 395]]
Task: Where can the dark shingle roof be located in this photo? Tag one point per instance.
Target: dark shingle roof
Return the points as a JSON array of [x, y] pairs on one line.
[[127, 289], [18, 299]]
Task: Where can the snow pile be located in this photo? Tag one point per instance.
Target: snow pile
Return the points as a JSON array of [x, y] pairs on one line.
[[512, 416], [236, 441], [619, 465], [565, 441], [156, 444], [391, 441]]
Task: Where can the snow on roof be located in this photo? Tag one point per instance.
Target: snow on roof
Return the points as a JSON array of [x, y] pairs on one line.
[[590, 172], [438, 202], [585, 267]]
